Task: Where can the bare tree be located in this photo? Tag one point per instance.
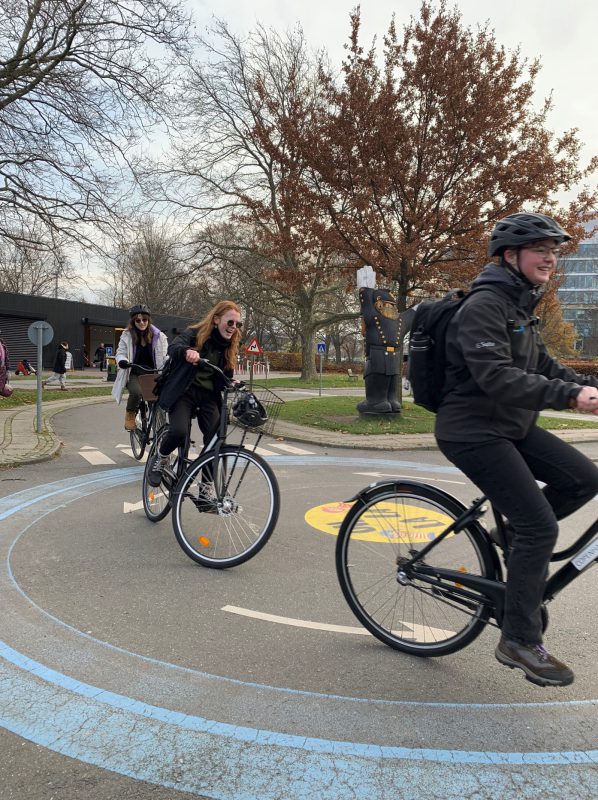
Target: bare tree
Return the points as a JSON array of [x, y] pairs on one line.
[[149, 266], [36, 267], [236, 105], [81, 81], [416, 154]]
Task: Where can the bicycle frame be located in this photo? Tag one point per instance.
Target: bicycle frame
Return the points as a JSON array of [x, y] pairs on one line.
[[581, 554]]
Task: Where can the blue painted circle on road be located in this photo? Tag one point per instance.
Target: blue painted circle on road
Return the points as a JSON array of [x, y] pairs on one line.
[[308, 762]]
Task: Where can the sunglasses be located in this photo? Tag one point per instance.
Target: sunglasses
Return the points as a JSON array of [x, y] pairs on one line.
[[230, 323], [141, 319]]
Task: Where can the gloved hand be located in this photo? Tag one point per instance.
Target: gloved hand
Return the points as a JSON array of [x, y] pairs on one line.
[[123, 364]]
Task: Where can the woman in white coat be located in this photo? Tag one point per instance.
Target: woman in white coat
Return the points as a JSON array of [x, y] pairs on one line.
[[141, 343]]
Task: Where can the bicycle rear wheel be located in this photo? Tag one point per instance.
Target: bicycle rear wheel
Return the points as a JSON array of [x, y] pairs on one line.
[[385, 529], [138, 434], [225, 531], [156, 499]]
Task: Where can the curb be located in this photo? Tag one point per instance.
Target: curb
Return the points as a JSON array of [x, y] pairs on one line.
[[21, 423]]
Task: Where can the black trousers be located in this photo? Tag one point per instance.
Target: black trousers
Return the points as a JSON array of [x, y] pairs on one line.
[[506, 471], [194, 400]]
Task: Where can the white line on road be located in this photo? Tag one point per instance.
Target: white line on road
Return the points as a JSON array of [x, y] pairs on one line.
[[96, 457], [297, 623], [261, 451], [289, 448], [417, 478], [408, 631]]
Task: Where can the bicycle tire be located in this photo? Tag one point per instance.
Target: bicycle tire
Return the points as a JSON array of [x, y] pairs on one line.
[[138, 435], [387, 525], [226, 532], [157, 499]]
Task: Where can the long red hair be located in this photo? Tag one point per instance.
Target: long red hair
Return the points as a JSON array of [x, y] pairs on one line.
[[205, 327]]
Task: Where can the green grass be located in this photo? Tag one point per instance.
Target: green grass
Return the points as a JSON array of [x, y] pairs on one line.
[[340, 414], [330, 381], [28, 397]]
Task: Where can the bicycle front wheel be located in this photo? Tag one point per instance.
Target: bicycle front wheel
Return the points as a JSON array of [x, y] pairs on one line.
[[229, 527], [137, 435], [156, 499], [385, 529]]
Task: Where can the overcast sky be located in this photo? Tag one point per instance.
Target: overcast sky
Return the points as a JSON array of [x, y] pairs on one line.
[[563, 35]]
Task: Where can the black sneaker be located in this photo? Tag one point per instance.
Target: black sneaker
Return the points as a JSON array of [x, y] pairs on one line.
[[156, 471], [538, 665]]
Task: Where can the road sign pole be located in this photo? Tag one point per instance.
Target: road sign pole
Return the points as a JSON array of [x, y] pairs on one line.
[[40, 334], [321, 374]]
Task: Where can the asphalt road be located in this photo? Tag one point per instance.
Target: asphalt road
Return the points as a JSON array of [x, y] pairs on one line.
[[133, 672]]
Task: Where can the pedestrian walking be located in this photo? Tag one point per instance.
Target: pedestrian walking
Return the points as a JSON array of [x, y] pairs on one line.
[[59, 373]]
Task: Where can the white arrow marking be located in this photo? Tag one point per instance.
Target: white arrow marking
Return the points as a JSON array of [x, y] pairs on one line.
[[128, 507], [424, 632]]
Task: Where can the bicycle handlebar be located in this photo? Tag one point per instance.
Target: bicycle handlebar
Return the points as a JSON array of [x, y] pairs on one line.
[[129, 364], [229, 383]]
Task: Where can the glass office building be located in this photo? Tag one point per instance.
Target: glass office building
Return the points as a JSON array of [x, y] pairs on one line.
[[578, 295]]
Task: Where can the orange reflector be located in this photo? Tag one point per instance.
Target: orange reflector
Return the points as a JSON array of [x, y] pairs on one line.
[[204, 541], [457, 584]]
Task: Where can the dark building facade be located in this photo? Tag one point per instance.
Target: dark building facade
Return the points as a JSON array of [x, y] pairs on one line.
[[83, 325]]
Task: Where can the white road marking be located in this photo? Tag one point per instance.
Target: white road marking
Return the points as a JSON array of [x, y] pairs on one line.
[[95, 457], [87, 447], [289, 448], [128, 507], [409, 631], [297, 623], [408, 477], [261, 451]]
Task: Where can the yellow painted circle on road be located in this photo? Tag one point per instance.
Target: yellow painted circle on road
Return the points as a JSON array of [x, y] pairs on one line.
[[387, 522]]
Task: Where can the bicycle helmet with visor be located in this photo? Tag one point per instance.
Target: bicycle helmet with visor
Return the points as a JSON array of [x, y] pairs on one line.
[[248, 410], [519, 229], [139, 309]]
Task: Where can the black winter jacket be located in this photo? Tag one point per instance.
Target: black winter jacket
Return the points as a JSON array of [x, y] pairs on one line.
[[60, 361], [179, 373], [498, 364]]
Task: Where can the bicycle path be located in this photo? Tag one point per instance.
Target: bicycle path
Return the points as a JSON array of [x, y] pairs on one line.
[[20, 442]]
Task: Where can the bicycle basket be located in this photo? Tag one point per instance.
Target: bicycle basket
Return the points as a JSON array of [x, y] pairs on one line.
[[256, 411], [147, 384]]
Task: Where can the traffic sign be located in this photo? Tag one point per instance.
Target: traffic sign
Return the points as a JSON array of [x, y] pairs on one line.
[[321, 347], [47, 332], [253, 347]]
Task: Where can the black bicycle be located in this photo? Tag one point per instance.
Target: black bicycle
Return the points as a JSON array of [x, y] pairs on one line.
[[150, 417], [225, 502], [423, 575]]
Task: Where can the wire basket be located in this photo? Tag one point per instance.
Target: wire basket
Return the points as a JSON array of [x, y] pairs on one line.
[[270, 401]]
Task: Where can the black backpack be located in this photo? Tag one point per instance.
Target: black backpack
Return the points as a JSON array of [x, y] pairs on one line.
[[427, 348]]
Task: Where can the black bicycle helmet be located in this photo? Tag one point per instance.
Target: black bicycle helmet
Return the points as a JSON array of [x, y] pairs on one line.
[[139, 309], [248, 410], [519, 229]]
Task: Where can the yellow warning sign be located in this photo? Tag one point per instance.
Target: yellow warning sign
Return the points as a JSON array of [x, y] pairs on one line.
[[386, 522]]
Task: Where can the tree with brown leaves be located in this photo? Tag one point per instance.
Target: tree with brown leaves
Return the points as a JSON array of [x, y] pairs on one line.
[[415, 158]]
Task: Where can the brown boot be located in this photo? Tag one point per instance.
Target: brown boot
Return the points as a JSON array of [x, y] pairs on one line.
[[130, 420], [538, 665]]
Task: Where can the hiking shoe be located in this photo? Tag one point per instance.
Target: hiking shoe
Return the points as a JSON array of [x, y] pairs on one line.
[[130, 423], [156, 471], [538, 665]]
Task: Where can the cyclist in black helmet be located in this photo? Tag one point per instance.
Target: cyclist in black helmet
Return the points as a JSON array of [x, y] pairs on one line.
[[140, 343], [503, 377]]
